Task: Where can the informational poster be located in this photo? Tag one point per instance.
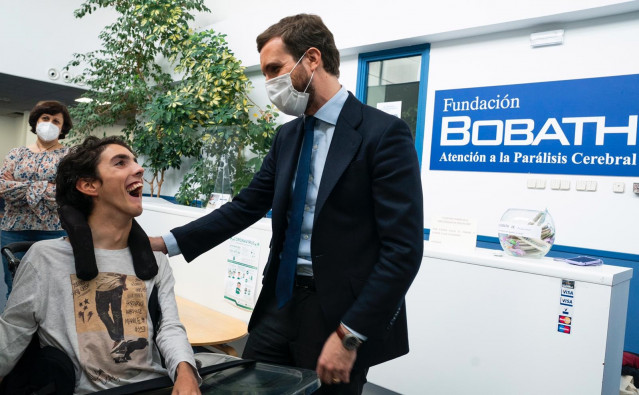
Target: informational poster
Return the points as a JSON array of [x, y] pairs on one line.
[[241, 278], [582, 127], [453, 233], [217, 200], [391, 107]]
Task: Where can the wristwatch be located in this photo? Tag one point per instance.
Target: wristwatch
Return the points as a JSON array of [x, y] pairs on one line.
[[349, 341]]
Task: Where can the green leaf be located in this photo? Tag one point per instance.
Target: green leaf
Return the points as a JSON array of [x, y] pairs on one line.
[[204, 115]]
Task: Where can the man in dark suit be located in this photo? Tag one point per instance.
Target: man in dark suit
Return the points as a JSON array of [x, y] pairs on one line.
[[339, 308]]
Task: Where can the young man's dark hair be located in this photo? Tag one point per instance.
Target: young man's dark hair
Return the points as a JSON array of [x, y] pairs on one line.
[[81, 162], [50, 107], [301, 32]]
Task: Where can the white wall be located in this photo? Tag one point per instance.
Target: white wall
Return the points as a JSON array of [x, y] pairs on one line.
[[40, 34], [364, 25], [593, 47], [356, 24], [9, 135], [461, 56], [604, 47]]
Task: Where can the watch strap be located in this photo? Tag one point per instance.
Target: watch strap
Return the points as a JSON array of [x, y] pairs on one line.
[[349, 340], [341, 332]]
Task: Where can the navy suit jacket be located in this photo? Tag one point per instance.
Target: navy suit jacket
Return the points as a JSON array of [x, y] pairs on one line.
[[367, 239]]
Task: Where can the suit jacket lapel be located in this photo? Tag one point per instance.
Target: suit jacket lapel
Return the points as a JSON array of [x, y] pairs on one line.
[[344, 145]]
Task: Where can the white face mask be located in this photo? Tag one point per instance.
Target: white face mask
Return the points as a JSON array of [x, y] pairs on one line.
[[47, 131], [281, 92]]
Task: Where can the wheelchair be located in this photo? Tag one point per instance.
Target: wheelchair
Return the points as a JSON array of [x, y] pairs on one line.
[[39, 371], [11, 249], [47, 370]]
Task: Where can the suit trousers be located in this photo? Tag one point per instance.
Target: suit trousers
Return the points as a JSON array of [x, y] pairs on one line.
[[294, 336]]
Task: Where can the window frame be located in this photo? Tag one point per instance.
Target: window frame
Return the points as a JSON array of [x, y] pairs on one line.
[[361, 92]]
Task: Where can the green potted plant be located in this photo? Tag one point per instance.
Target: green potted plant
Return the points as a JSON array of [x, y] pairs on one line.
[[172, 89]]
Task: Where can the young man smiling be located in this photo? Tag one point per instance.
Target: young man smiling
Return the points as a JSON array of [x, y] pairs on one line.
[[99, 191]]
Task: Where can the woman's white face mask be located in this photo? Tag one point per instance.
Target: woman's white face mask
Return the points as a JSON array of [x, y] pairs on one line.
[[47, 131], [281, 92]]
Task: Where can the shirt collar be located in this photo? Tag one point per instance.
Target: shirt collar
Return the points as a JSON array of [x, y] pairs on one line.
[[329, 112]]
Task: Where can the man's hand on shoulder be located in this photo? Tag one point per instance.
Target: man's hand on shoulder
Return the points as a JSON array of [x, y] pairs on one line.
[[185, 380], [157, 244]]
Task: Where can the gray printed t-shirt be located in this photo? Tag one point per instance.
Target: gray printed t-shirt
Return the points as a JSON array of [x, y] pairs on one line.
[[102, 325]]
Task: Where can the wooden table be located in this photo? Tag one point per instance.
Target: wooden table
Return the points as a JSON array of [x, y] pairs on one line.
[[207, 327]]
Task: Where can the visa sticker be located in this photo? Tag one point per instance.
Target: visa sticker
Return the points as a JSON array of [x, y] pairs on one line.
[[564, 328], [564, 301]]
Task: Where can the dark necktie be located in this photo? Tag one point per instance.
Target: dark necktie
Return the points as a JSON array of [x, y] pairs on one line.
[[288, 263]]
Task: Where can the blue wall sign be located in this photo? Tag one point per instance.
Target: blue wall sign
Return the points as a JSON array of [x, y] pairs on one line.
[[583, 127]]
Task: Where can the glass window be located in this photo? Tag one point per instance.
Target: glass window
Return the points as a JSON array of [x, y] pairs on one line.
[[395, 81]]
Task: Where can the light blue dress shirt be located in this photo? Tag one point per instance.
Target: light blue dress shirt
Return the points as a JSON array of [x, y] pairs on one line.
[[323, 135]]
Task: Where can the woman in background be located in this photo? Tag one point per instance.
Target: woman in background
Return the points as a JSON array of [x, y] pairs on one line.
[[27, 180]]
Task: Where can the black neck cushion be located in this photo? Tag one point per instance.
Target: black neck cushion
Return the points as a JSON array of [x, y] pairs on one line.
[[79, 232]]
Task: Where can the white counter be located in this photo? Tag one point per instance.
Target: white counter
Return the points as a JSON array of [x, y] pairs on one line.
[[480, 322], [603, 274]]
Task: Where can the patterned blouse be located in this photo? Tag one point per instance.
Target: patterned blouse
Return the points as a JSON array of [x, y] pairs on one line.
[[29, 201]]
